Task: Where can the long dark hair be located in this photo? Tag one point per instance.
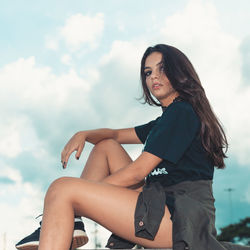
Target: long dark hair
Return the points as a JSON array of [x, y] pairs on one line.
[[186, 82]]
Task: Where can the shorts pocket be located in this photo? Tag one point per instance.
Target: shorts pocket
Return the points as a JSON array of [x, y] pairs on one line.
[[149, 211]]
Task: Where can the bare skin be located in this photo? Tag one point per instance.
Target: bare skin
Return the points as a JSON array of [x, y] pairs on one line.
[[156, 80], [107, 191]]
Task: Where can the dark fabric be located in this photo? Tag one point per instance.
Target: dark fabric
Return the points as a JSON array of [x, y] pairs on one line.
[[173, 133], [142, 131], [149, 210], [182, 181], [193, 218], [116, 242], [174, 137]]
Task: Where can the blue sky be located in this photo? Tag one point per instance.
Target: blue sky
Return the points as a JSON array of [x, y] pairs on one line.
[[67, 66]]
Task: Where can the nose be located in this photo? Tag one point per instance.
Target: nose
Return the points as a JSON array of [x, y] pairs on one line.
[[155, 74]]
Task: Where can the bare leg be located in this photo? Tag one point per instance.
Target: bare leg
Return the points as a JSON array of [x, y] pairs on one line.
[[106, 157], [111, 206]]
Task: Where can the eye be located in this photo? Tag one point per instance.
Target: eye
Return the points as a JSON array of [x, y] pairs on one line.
[[147, 73]]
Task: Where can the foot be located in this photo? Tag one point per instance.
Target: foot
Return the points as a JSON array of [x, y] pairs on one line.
[[31, 242]]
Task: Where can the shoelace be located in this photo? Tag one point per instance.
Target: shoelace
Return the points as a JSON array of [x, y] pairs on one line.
[[39, 216], [39, 228]]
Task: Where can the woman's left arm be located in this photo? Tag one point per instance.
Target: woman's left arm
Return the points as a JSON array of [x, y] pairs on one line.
[[135, 172]]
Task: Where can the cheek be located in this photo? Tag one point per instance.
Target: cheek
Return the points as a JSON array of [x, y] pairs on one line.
[[167, 82]]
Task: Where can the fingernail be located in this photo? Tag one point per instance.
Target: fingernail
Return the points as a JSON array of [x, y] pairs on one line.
[[77, 158], [63, 165]]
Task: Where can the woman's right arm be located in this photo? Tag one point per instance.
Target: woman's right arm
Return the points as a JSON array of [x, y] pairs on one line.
[[77, 142], [122, 136]]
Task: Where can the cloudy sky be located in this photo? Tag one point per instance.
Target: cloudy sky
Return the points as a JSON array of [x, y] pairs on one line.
[[67, 66]]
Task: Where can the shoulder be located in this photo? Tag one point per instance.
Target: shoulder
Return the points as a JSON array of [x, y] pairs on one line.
[[181, 114], [180, 107]]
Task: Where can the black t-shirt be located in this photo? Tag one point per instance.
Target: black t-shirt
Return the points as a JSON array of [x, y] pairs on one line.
[[175, 138]]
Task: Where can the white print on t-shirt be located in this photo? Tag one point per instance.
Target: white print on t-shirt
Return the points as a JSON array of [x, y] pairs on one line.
[[159, 171]]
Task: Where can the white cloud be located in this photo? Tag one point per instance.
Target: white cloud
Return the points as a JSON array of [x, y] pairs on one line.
[[51, 43], [30, 88], [30, 85], [12, 174], [238, 124], [90, 74], [66, 59], [81, 30], [19, 204], [127, 54], [10, 145], [39, 111], [119, 83], [17, 135]]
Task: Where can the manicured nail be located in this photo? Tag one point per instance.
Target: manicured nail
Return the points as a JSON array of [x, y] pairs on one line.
[[64, 164], [77, 158]]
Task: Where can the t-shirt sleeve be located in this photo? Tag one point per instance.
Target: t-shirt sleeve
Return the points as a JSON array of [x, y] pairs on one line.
[[173, 133], [143, 130]]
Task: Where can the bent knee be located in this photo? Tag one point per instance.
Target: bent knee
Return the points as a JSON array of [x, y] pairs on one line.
[[107, 144], [58, 188], [59, 182]]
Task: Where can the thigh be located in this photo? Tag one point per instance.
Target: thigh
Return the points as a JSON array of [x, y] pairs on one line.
[[114, 207], [107, 157]]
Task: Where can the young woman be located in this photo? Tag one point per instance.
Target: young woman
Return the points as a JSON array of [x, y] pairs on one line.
[[146, 201]]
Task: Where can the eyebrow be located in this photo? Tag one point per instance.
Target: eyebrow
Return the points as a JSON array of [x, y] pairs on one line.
[[161, 62]]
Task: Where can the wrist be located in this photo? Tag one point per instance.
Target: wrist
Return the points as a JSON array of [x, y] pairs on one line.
[[82, 135]]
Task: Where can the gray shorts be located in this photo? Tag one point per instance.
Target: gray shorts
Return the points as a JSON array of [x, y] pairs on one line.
[[150, 209]]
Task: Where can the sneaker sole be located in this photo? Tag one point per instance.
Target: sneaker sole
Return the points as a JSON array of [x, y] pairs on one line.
[[28, 247], [80, 238]]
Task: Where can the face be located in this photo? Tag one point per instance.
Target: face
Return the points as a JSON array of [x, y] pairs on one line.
[[157, 81]]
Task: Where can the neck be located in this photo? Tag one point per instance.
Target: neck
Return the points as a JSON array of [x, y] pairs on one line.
[[169, 99]]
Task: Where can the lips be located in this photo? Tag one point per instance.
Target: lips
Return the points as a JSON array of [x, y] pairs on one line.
[[156, 85]]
